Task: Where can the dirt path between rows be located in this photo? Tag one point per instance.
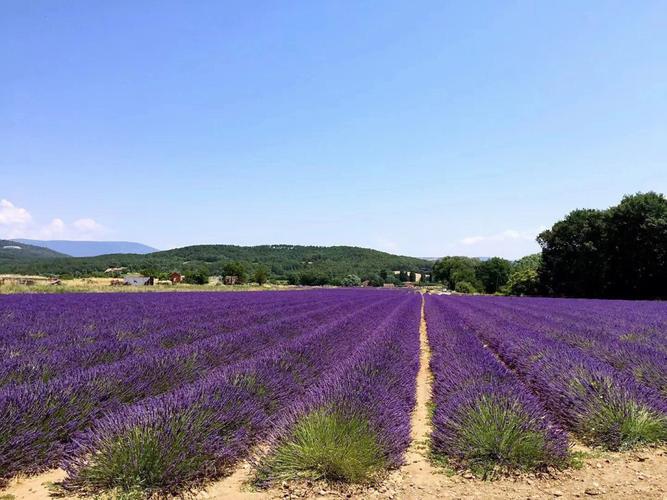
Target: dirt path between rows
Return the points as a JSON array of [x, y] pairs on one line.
[[417, 473]]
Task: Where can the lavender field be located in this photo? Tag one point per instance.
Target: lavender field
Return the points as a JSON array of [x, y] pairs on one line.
[[164, 393], [540, 372]]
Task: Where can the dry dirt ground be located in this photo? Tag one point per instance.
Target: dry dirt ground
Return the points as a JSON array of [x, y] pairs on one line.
[[633, 475]]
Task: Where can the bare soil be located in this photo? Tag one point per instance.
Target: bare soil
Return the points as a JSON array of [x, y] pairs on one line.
[[630, 475]]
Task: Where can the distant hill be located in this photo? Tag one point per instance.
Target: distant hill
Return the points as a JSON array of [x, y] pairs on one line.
[[14, 252], [90, 248], [282, 260]]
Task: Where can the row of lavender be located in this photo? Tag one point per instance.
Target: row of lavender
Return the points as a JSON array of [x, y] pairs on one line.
[[485, 418], [165, 419], [39, 342], [516, 371], [632, 344]]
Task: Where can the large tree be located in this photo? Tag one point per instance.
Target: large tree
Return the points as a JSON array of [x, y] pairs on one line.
[[451, 270], [573, 254], [524, 278], [637, 250], [235, 269]]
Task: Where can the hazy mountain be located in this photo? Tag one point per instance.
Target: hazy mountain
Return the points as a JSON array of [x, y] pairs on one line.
[[14, 251], [90, 248]]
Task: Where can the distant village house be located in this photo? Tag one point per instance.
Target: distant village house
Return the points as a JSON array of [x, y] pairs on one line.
[[138, 281], [175, 278]]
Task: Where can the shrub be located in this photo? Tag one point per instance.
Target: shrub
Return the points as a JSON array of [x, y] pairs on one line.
[[327, 445], [500, 436], [351, 280], [464, 287]]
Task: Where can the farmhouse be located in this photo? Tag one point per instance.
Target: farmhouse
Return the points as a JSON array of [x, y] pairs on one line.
[[175, 278], [136, 280]]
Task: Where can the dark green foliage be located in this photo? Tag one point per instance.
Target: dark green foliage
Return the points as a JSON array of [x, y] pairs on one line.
[[464, 287], [524, 278], [637, 247], [261, 275], [376, 280], [327, 445], [452, 270], [618, 253], [523, 282], [313, 278], [199, 277], [572, 254], [493, 273], [351, 280], [236, 269]]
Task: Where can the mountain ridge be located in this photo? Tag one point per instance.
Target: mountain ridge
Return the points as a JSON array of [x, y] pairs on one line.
[[89, 248]]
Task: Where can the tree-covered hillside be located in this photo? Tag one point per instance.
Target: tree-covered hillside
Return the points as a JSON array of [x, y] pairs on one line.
[[283, 262]]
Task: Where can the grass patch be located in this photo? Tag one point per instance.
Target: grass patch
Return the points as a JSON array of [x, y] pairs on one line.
[[495, 438], [442, 463], [622, 425], [326, 445], [577, 459], [145, 460]]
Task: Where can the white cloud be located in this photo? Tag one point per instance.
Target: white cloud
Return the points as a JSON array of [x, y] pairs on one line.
[[509, 234], [510, 244], [387, 245], [88, 226], [10, 214], [17, 222]]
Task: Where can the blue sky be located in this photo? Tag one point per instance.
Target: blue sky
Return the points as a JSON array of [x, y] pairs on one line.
[[422, 128]]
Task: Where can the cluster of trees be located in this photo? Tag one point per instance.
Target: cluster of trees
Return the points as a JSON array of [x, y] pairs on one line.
[[620, 252], [260, 274], [311, 278], [473, 275], [494, 275]]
